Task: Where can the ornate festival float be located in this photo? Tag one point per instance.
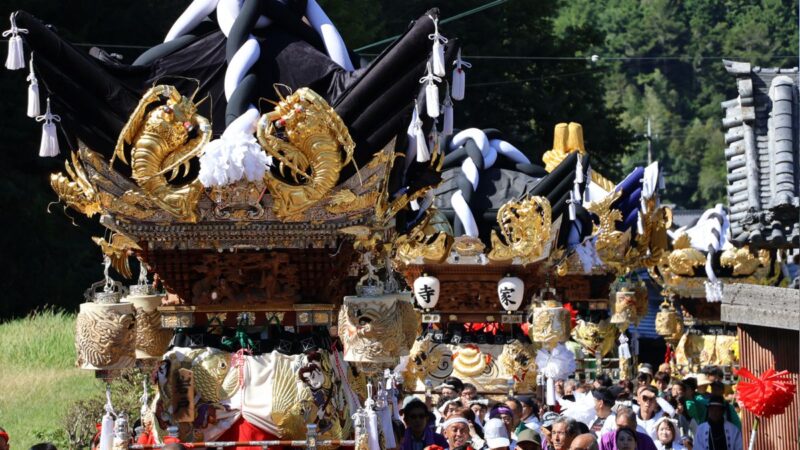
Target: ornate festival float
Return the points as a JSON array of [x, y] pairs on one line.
[[317, 253]]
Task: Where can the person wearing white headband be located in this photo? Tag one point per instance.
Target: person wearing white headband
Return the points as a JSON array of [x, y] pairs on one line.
[[456, 431]]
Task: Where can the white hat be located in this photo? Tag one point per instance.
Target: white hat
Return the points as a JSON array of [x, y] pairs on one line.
[[495, 433]]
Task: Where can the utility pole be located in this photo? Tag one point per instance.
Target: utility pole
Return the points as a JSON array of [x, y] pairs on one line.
[[649, 138]]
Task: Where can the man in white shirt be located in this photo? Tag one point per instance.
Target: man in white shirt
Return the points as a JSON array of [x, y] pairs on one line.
[[649, 412]]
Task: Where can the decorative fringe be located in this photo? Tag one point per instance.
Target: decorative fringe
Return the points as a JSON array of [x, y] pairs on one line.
[[34, 109], [423, 155], [447, 126], [437, 55], [16, 56], [459, 77], [431, 93], [49, 144], [713, 285]]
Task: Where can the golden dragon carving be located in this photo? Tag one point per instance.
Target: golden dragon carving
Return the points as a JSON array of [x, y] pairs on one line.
[[315, 139], [75, 189], [525, 227], [164, 140], [431, 239]]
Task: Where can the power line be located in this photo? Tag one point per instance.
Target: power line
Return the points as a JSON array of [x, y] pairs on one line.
[[461, 15]]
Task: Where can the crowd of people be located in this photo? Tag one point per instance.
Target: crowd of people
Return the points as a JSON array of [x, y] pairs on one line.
[[653, 413]]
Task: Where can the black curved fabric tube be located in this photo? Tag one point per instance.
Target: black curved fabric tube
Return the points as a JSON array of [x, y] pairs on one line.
[[161, 50], [492, 133], [283, 16], [412, 47], [241, 28], [241, 98]]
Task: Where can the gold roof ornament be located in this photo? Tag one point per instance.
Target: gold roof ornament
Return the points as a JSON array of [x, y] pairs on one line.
[[525, 229]]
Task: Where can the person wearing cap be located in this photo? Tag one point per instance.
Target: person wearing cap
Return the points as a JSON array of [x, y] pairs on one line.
[[605, 419], [418, 434], [548, 419], [718, 388], [529, 439], [626, 419], [645, 375], [649, 410], [717, 433], [496, 436]]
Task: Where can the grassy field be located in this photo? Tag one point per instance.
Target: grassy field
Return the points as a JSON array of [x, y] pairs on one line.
[[38, 377]]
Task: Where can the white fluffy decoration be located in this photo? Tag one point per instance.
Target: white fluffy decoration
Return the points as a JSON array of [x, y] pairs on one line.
[[437, 55], [225, 161], [557, 364], [581, 410]]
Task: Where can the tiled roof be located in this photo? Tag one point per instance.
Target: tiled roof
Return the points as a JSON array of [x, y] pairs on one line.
[[761, 137]]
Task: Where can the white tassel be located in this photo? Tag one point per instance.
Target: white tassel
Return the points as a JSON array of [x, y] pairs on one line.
[[551, 391], [459, 77], [33, 94], [107, 425], [624, 349], [16, 57], [431, 93], [423, 155], [447, 126], [579, 172], [49, 144], [437, 55]]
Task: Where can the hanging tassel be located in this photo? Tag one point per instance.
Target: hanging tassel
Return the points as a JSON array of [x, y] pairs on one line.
[[551, 391], [447, 126], [49, 144], [33, 94], [459, 77], [373, 433], [573, 215], [107, 425], [624, 349], [713, 285], [437, 55], [431, 93], [423, 155], [16, 57]]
